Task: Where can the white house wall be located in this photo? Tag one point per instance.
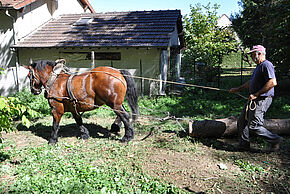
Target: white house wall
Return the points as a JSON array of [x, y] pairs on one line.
[[68, 7], [38, 13], [32, 16], [6, 38]]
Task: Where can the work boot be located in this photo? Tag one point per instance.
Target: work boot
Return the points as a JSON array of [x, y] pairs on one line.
[[276, 146]]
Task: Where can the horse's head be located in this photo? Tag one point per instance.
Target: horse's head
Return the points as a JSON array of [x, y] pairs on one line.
[[35, 83], [38, 75]]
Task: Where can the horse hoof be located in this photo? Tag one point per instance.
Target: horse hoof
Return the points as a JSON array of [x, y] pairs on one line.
[[115, 128], [52, 141], [126, 139], [85, 137]]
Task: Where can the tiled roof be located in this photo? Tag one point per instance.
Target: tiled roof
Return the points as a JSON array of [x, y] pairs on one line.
[[115, 29], [18, 4]]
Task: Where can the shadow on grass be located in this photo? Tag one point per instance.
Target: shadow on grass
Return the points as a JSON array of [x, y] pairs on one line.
[[4, 156], [69, 130]]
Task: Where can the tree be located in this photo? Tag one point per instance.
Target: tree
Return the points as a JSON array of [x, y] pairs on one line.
[[266, 22], [205, 42]]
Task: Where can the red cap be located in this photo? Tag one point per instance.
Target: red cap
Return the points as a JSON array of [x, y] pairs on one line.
[[257, 48]]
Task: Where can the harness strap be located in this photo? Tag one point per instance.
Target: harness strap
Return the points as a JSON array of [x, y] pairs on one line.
[[70, 93], [68, 87]]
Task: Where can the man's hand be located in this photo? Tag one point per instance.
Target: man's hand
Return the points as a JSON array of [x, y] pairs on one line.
[[234, 90], [245, 85], [252, 97]]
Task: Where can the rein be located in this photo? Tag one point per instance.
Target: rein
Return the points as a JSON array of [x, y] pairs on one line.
[[249, 107]]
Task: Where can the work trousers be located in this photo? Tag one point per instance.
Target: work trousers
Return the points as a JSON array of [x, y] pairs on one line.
[[252, 119]]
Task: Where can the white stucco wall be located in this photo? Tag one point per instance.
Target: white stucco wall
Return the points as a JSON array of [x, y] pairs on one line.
[[6, 38], [28, 20], [38, 13], [68, 7], [32, 17]]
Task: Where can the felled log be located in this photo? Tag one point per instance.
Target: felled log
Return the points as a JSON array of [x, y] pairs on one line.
[[228, 127]]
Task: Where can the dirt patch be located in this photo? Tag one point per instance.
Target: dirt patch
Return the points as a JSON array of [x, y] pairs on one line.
[[194, 172]]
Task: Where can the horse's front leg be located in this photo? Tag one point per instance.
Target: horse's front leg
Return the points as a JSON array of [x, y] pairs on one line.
[[55, 127], [84, 131]]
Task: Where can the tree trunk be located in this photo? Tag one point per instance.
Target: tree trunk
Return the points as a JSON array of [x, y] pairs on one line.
[[228, 127]]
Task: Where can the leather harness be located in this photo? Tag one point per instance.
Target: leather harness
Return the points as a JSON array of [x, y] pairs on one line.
[[61, 67], [58, 68]]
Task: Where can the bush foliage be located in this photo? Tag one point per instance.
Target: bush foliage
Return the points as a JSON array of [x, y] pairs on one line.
[[12, 109], [205, 41], [266, 22]]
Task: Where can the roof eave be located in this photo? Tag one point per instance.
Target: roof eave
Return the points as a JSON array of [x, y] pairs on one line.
[[87, 3], [23, 4], [59, 47]]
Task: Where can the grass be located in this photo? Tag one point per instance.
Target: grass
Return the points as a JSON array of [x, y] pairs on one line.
[[167, 161], [79, 167]]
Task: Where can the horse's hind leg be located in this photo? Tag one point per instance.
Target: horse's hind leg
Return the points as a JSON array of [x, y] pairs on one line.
[[116, 126], [84, 131], [125, 118]]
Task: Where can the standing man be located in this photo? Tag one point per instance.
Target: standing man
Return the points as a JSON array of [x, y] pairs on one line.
[[261, 88]]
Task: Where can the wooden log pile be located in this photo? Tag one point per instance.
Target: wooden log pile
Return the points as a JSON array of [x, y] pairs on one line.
[[228, 127]]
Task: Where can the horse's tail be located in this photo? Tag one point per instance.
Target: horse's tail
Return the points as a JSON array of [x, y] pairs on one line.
[[132, 94]]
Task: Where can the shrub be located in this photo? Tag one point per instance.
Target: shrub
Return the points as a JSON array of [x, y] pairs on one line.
[[11, 110], [37, 103]]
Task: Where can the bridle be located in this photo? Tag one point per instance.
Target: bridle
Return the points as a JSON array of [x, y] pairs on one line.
[[60, 66], [34, 79]]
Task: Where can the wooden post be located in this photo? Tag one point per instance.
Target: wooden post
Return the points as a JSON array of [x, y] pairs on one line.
[[219, 71], [141, 75], [163, 75], [93, 59], [241, 69]]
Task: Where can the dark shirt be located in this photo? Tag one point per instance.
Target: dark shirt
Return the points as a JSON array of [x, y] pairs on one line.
[[263, 72]]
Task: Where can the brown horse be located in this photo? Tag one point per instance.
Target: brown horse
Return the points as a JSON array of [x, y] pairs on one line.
[[85, 92]]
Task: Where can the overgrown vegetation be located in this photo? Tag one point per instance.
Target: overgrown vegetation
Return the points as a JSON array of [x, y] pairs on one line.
[[205, 42], [12, 109], [266, 22]]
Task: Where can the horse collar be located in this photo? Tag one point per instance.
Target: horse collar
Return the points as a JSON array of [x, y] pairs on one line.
[[53, 75]]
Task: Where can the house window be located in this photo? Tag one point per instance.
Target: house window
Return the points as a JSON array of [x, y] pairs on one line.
[[106, 56], [98, 55]]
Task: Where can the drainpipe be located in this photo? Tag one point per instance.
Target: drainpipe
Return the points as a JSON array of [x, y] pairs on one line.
[[14, 42]]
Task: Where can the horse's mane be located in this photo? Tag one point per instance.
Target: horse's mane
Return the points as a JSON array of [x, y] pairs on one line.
[[40, 65]]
